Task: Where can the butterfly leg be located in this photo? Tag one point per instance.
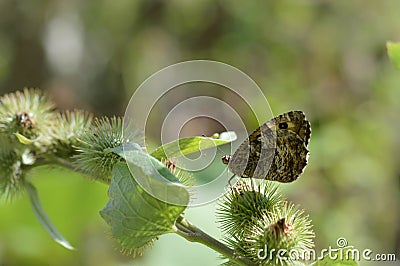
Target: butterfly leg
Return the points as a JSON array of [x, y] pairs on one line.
[[229, 181]]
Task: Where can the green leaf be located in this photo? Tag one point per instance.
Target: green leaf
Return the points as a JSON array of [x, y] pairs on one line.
[[152, 175], [394, 53], [43, 218], [337, 258], [135, 217], [329, 262], [24, 140], [186, 146]]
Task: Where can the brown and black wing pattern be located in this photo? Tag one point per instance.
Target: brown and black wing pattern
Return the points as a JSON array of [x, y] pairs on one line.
[[277, 150]]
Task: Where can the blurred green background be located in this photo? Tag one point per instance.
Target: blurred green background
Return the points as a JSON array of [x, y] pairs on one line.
[[327, 58]]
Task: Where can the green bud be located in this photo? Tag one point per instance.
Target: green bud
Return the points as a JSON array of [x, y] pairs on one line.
[[94, 155]]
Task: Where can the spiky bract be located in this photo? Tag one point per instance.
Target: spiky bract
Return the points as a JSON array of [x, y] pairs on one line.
[[29, 113], [95, 157], [256, 220]]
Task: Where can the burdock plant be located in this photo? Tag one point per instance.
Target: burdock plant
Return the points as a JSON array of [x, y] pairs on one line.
[[253, 215], [258, 223]]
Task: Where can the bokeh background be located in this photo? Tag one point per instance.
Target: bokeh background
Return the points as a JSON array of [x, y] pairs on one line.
[[327, 58]]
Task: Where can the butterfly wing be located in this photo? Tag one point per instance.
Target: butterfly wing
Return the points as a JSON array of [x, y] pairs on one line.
[[254, 156], [277, 150], [290, 158]]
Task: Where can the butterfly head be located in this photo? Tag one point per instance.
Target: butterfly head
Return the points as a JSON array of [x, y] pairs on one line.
[[226, 159]]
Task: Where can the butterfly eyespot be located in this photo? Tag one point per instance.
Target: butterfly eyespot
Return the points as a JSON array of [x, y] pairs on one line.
[[283, 125]]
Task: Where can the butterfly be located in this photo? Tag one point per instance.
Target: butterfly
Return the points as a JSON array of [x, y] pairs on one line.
[[276, 151]]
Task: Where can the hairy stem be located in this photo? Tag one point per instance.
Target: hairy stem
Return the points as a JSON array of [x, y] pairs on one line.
[[64, 163], [51, 160], [193, 234]]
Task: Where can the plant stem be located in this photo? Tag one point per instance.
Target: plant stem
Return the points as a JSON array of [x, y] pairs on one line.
[[64, 163], [52, 160], [193, 234]]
